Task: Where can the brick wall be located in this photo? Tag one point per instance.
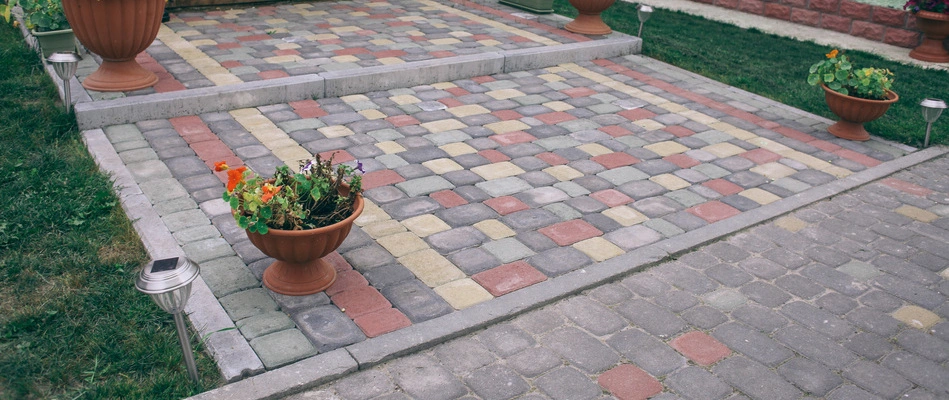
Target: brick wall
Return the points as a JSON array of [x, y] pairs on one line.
[[882, 24]]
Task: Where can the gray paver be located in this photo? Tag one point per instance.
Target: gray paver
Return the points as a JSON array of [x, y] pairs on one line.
[[581, 349]]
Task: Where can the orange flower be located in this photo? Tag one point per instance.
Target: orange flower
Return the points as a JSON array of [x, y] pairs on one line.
[[221, 166], [235, 176], [269, 192], [832, 54]]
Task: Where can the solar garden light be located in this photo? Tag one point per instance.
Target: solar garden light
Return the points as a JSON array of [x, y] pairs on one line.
[[168, 283], [932, 108], [65, 65], [643, 12]]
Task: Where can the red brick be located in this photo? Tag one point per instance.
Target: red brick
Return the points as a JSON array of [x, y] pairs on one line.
[[855, 10], [379, 178], [751, 6], [867, 30], [389, 53], [286, 52], [402, 120], [682, 160], [637, 114], [554, 117], [860, 158], [824, 145], [212, 150], [578, 92], [231, 64], [794, 134], [713, 211], [628, 382], [254, 38], [826, 6], [351, 51], [381, 322], [508, 278], [360, 301], [795, 3], [679, 131], [570, 232], [733, 4], [191, 125], [346, 280], [507, 115], [338, 262], [805, 17], [272, 74], [552, 158], [777, 11], [907, 187], [761, 156], [835, 23], [724, 187], [701, 348], [436, 54], [451, 102], [616, 131], [494, 155], [505, 205], [338, 156], [482, 79], [457, 91], [615, 160], [611, 197], [705, 1], [448, 199], [513, 138], [889, 16], [901, 37]]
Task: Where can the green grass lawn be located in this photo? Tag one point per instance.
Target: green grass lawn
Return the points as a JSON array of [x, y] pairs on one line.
[[72, 325], [776, 67]]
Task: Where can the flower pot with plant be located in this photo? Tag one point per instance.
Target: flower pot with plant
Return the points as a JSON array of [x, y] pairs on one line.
[[47, 22], [297, 218], [855, 95], [932, 17]]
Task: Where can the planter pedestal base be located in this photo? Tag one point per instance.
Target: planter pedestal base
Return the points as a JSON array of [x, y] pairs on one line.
[[587, 24], [849, 130], [299, 279], [930, 50], [935, 27], [120, 76]]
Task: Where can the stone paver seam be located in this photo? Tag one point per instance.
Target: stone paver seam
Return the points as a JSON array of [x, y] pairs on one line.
[[495, 24]]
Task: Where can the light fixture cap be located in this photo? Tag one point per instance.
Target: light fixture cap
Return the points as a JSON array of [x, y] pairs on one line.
[[64, 63], [168, 282], [932, 108], [643, 12]]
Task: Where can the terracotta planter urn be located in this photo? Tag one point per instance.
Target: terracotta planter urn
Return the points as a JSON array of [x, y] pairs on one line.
[[300, 269], [854, 112], [116, 30], [935, 29], [588, 21]]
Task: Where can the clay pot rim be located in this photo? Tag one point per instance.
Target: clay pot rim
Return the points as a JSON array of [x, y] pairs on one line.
[[932, 15], [893, 96], [360, 204]]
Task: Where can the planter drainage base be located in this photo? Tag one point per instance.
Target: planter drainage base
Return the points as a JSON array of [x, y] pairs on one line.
[[120, 76]]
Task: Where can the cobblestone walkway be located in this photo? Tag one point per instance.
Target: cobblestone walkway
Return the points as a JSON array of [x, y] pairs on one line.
[[844, 299]]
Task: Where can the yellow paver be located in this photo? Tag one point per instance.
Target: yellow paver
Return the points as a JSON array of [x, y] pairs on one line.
[[401, 244], [917, 213], [442, 165], [724, 149], [431, 268], [468, 110], [790, 223], [463, 293], [390, 147], [443, 125], [670, 181], [594, 149], [774, 170], [760, 196], [666, 148], [507, 126], [499, 170], [425, 225], [917, 317], [494, 229], [558, 106], [336, 131], [384, 228], [598, 249], [458, 148], [563, 173], [504, 94], [625, 215]]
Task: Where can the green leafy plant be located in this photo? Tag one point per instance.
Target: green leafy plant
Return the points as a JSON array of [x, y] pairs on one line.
[[321, 194], [38, 15], [838, 74]]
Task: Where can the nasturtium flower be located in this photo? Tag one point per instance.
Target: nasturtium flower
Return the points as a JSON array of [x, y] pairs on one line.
[[832, 54], [221, 166], [235, 176], [269, 191]]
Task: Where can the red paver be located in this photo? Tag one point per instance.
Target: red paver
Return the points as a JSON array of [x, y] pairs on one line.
[[615, 160], [724, 187], [231, 64], [379, 178], [552, 158], [616, 131], [228, 46], [860, 158], [794, 134], [450, 102], [824, 145], [338, 262], [701, 348], [628, 382], [346, 280], [570, 232], [508, 278], [682, 161], [399, 121], [448, 199], [507, 115], [351, 51], [494, 155], [254, 38], [907, 187], [482, 79], [273, 74], [505, 205], [714, 211], [190, 125], [611, 197], [440, 53], [389, 53], [578, 92], [457, 91], [360, 301], [679, 131], [761, 156], [338, 156], [381, 322], [513, 138], [286, 52], [637, 114], [212, 150], [555, 117]]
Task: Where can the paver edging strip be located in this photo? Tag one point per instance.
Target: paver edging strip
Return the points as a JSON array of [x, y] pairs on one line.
[[233, 355], [420, 336]]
